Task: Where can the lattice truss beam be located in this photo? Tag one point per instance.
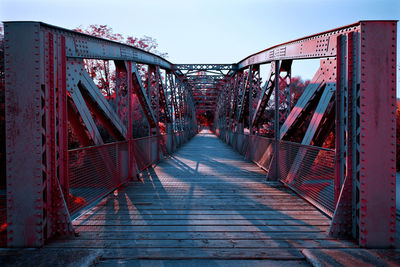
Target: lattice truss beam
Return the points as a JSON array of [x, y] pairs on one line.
[[49, 92], [348, 99], [206, 82], [48, 80]]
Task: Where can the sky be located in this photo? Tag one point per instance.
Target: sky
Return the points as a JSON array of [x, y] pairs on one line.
[[209, 31]]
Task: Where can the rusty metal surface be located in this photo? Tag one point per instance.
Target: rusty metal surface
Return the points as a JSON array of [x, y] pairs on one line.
[[377, 134], [52, 100], [48, 93], [349, 105]]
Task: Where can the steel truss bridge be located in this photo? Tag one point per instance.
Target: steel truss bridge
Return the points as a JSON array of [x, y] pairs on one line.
[[50, 97]]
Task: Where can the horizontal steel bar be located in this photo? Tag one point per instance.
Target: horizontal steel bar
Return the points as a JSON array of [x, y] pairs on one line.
[[314, 46], [205, 66], [80, 45]]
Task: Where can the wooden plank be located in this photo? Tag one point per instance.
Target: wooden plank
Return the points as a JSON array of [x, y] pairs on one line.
[[195, 222], [187, 216], [174, 235], [205, 253], [209, 228], [215, 203], [149, 206], [206, 243], [290, 213], [204, 202]]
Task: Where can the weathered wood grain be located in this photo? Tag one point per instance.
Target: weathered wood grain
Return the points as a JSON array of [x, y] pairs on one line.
[[204, 202]]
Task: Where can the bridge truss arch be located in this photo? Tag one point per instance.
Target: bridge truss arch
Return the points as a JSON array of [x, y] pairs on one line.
[[49, 95]]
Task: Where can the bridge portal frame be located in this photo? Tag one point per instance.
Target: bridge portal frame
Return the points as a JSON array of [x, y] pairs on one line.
[[357, 75]]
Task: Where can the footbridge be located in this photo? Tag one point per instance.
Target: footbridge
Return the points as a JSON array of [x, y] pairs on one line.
[[201, 161]]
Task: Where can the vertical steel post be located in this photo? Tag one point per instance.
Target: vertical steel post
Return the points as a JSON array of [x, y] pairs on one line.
[[354, 125], [24, 110], [276, 124], [63, 116], [340, 114], [377, 134], [250, 84], [129, 136], [36, 134]]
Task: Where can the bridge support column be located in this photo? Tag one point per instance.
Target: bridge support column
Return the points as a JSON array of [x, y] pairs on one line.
[[273, 174], [36, 135], [366, 163]]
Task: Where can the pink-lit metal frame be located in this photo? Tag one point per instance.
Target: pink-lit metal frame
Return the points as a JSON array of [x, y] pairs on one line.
[[47, 87], [352, 93], [354, 90]]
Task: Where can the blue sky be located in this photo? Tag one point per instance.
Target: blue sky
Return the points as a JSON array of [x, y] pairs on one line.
[[208, 31]]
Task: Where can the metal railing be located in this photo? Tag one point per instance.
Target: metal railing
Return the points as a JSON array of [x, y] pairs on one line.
[[310, 172], [96, 171], [93, 173], [307, 170]]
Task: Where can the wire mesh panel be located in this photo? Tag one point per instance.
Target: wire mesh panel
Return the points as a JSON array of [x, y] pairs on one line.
[[309, 171], [93, 172], [154, 145], [261, 151], [245, 149], [169, 143], [142, 148], [234, 140]]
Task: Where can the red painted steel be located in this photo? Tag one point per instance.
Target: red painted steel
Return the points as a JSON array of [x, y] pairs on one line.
[[377, 134], [48, 92], [356, 183], [51, 94]]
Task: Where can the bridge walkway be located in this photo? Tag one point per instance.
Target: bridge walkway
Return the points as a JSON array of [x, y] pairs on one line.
[[203, 202]]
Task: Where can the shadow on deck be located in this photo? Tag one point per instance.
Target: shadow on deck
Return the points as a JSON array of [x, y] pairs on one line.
[[206, 206]]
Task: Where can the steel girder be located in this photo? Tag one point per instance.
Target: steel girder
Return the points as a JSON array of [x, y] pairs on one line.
[[314, 46], [205, 80], [210, 78], [348, 96], [347, 92], [48, 89], [200, 67]]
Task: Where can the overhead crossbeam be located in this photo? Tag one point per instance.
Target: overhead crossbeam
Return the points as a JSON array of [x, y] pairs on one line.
[[204, 67], [213, 77]]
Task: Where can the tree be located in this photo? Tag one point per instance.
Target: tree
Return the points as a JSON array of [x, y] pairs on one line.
[[103, 71], [297, 86]]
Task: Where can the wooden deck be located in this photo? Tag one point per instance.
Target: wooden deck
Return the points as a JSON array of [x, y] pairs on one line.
[[204, 202]]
